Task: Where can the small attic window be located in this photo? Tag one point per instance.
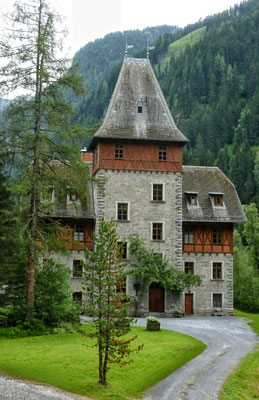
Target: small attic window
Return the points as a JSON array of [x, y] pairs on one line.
[[140, 107], [217, 199], [192, 199]]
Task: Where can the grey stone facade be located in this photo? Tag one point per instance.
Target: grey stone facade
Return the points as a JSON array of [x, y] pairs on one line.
[[203, 295], [135, 189]]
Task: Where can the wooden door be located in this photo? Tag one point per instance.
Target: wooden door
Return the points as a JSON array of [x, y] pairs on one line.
[[156, 298], [188, 304]]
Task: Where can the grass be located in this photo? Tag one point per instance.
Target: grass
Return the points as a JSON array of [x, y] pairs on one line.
[[68, 362], [243, 384], [177, 48]]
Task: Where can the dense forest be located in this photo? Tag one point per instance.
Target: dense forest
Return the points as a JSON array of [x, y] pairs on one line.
[[209, 75]]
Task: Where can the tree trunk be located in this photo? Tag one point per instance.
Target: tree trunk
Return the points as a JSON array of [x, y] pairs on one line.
[[30, 282], [33, 227]]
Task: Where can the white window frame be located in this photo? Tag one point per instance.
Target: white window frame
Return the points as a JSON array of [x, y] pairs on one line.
[[222, 300], [212, 194], [52, 197], [222, 270], [163, 192], [128, 211], [163, 231], [191, 261], [72, 201], [187, 194]]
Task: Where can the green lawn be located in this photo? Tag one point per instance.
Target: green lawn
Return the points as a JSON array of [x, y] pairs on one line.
[[243, 384], [67, 361]]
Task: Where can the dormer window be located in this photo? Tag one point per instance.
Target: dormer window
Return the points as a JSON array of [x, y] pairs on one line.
[[192, 198], [140, 107], [118, 153], [217, 199]]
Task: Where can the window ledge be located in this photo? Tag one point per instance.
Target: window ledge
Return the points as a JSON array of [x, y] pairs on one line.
[[122, 220], [157, 201], [157, 240], [217, 280], [77, 277]]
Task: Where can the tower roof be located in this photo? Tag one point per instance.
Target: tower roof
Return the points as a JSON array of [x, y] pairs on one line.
[[136, 87]]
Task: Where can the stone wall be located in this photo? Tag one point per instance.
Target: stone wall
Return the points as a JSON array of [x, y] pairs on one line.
[[135, 188], [202, 302]]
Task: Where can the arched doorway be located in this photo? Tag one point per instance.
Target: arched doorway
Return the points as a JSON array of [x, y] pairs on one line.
[[156, 298]]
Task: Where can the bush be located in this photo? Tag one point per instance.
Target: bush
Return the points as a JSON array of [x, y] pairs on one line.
[[5, 316], [53, 297]]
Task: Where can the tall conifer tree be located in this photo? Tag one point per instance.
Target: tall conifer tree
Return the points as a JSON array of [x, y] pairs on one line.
[[37, 124]]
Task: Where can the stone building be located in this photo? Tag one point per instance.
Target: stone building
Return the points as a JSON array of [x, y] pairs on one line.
[[185, 213]]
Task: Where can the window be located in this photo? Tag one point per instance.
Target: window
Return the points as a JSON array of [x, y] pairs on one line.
[[217, 199], [77, 269], [162, 153], [193, 199], [189, 267], [48, 195], [159, 257], [217, 236], [118, 151], [157, 231], [158, 192], [72, 198], [140, 107], [77, 297], [123, 246], [217, 300], [122, 211], [79, 233], [188, 236], [216, 270]]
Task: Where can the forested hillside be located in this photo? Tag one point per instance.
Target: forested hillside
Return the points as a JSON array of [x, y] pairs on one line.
[[97, 59], [209, 75]]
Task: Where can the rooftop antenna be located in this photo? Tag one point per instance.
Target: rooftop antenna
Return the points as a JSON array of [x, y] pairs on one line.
[[147, 48], [126, 47]]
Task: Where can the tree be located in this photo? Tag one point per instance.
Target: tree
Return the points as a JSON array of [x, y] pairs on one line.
[[151, 267], [106, 298], [37, 129], [251, 232], [246, 278]]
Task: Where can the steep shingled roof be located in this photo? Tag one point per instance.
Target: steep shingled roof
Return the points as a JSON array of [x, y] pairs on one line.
[[206, 181], [137, 83]]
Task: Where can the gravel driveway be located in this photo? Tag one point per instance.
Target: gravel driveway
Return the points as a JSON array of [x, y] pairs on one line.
[[228, 340]]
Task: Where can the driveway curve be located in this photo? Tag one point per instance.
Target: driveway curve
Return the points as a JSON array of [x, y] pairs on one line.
[[228, 340]]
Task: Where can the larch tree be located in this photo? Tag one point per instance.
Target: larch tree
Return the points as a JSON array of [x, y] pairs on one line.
[[37, 133]]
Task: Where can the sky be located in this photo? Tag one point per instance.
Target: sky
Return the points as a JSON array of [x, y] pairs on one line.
[[88, 20]]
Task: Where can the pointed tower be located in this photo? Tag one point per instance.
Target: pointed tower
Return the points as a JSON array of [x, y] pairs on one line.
[[137, 157]]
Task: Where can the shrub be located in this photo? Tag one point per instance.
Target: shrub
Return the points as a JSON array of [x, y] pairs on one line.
[[53, 297], [5, 316]]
